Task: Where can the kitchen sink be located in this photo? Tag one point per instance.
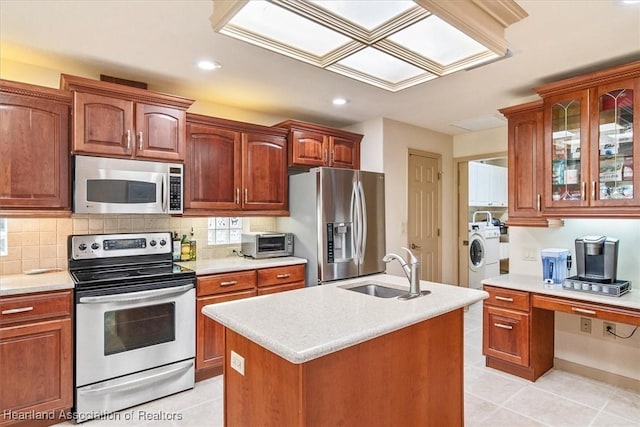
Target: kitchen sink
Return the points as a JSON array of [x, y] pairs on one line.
[[376, 290]]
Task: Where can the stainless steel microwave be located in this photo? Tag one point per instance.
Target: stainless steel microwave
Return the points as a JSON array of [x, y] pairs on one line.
[[120, 186], [267, 245]]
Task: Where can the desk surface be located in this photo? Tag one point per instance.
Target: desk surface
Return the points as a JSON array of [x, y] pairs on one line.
[[535, 284]]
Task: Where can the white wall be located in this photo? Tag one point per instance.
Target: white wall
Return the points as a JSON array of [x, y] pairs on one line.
[[481, 142], [371, 148], [398, 138]]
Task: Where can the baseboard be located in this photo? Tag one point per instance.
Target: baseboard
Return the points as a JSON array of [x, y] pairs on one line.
[[597, 374]]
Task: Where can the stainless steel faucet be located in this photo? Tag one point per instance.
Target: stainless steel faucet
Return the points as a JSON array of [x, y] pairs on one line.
[[411, 270]]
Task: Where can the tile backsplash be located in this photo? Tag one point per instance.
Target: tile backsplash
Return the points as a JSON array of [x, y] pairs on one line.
[[42, 242]]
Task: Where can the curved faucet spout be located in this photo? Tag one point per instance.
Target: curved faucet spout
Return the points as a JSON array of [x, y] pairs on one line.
[[411, 270], [391, 256]]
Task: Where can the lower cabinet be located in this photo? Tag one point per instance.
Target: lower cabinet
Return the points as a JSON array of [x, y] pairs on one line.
[[36, 369], [215, 288], [517, 338]]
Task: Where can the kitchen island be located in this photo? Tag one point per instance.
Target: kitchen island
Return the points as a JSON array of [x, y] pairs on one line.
[[326, 355]]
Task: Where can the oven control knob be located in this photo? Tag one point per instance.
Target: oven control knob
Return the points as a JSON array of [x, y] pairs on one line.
[[152, 243], [82, 246], [163, 242], [95, 246]]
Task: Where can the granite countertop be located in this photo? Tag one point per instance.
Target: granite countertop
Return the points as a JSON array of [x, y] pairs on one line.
[[224, 265], [14, 284], [535, 284], [308, 323]]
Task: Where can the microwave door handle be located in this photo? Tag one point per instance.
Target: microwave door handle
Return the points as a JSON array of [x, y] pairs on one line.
[[162, 194]]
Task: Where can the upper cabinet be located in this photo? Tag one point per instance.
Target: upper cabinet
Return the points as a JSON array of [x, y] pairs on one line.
[[487, 185], [525, 160], [120, 121], [312, 146], [34, 150], [591, 152], [235, 168], [574, 153]]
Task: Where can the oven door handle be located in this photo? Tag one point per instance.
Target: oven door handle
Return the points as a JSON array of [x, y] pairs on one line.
[[136, 296], [137, 383]]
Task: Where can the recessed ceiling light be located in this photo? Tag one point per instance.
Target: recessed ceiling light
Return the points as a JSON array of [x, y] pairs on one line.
[[339, 101], [209, 65]]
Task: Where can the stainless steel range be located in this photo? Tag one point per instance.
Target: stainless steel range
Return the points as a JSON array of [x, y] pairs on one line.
[[134, 322]]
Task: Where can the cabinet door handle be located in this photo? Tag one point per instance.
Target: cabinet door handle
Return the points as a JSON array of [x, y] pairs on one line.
[[246, 197], [237, 196], [333, 156], [538, 202], [583, 311], [593, 190], [140, 140], [282, 276], [128, 139], [229, 283], [326, 154], [17, 310], [507, 299], [583, 191], [503, 326]]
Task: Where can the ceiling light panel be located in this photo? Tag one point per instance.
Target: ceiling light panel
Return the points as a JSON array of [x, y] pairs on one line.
[[440, 42], [277, 24], [386, 43], [380, 65], [364, 14]]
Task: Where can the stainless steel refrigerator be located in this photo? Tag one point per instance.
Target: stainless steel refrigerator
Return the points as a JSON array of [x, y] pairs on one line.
[[337, 217]]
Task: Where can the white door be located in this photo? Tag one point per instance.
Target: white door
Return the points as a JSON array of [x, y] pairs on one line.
[[424, 220]]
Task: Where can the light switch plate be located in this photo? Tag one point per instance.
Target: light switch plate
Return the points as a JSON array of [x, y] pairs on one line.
[[237, 362]]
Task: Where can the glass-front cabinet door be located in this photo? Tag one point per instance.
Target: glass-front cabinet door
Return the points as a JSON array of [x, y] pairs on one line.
[[614, 145], [566, 121]]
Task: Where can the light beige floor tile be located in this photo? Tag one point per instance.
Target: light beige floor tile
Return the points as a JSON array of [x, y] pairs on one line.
[[624, 403], [605, 419], [550, 409], [574, 387], [506, 418], [486, 384], [476, 410]]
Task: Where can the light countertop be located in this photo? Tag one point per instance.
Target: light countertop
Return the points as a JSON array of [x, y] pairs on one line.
[[308, 323], [14, 284], [535, 284], [224, 265]]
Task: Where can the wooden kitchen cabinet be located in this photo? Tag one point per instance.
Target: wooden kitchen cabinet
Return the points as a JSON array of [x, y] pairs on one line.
[[279, 279], [114, 120], [235, 168], [313, 145], [36, 373], [591, 125], [216, 288], [513, 339], [525, 160], [34, 150]]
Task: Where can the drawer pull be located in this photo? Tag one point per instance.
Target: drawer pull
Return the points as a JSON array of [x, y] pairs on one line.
[[17, 310], [499, 298], [503, 326], [282, 276], [229, 283], [583, 310]]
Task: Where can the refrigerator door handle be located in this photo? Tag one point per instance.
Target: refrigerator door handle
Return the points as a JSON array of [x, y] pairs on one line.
[[355, 204], [363, 223]]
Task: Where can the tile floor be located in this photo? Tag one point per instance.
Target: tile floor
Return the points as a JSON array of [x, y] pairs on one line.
[[492, 398]]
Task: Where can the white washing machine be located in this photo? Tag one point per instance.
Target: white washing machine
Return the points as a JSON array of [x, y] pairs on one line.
[[484, 252]]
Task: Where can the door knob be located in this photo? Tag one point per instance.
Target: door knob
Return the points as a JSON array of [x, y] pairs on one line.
[[414, 246]]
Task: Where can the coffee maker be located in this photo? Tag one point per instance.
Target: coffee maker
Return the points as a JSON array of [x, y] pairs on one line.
[[597, 258]]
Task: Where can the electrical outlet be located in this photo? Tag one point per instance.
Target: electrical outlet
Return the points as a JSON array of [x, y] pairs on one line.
[[609, 330], [237, 362], [585, 325]]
